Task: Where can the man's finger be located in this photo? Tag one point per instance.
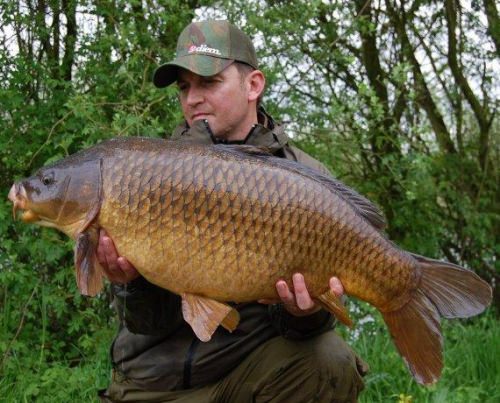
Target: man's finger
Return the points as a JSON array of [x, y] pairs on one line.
[[125, 265], [284, 292], [110, 253], [108, 258], [336, 286], [302, 296], [130, 272], [101, 258]]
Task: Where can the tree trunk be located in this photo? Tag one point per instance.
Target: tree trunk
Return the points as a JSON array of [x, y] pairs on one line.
[[491, 11], [424, 97], [481, 113], [69, 9]]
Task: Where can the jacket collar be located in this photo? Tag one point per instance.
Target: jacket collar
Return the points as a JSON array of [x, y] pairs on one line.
[[266, 134]]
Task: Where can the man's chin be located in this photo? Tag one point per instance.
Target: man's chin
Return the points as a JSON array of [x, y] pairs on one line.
[[211, 122]]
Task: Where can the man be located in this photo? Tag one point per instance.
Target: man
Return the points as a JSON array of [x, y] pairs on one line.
[[282, 351]]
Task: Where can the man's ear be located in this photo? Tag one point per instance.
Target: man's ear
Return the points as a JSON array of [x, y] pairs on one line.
[[256, 83]]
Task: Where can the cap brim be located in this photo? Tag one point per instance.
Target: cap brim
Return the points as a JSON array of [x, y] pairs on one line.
[[203, 65]]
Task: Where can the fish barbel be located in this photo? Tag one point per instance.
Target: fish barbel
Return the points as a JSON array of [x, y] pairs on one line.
[[225, 223]]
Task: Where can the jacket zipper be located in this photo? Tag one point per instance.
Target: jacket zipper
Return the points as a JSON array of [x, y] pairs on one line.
[[188, 363]]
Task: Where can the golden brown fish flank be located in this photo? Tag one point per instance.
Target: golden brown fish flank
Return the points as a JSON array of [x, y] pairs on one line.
[[224, 223], [221, 217]]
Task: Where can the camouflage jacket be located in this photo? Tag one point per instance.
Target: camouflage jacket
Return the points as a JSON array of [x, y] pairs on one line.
[[156, 348]]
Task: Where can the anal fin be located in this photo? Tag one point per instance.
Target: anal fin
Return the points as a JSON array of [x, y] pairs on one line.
[[333, 304], [204, 315], [230, 322]]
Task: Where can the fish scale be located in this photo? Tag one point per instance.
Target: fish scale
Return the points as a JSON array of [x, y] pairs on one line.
[[225, 223], [221, 232]]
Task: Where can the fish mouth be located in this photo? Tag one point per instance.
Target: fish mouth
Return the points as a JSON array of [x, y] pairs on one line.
[[19, 198]]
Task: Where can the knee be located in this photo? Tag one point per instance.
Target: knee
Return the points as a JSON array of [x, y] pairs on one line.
[[321, 369], [331, 353], [340, 371]]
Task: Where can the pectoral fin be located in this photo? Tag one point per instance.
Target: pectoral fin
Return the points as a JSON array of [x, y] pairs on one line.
[[205, 315], [333, 304], [88, 270]]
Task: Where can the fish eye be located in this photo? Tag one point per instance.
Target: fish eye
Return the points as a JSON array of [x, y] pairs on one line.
[[48, 179]]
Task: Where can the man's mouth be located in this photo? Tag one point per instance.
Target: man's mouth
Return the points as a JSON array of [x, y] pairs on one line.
[[198, 116]]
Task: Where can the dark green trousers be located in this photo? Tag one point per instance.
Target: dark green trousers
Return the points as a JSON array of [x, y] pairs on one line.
[[321, 369]]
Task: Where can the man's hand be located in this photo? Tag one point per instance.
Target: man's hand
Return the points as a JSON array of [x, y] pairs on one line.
[[116, 268], [298, 302]]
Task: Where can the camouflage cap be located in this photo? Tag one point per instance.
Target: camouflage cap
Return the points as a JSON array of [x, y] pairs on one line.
[[206, 48]]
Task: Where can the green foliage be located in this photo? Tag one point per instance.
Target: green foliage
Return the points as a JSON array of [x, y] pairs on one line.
[[471, 372], [63, 89], [48, 332], [59, 381]]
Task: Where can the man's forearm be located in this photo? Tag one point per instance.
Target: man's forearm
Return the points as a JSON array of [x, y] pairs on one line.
[[303, 327], [147, 309]]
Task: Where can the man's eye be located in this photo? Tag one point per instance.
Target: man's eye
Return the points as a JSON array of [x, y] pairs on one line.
[[211, 81]]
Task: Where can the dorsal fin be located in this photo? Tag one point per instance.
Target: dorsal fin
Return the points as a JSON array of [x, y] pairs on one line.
[[359, 203], [364, 206], [246, 149]]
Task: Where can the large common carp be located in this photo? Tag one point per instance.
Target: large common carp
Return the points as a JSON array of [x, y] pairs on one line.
[[224, 223]]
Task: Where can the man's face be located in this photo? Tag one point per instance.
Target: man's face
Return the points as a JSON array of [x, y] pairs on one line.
[[222, 99]]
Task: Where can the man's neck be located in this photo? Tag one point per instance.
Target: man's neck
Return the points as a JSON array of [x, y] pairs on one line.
[[240, 132]]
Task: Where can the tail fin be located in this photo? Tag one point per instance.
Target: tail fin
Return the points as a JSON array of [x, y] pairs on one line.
[[445, 290], [456, 292]]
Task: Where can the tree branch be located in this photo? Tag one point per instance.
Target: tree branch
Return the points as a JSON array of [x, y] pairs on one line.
[[481, 114], [491, 12], [69, 9], [424, 97]]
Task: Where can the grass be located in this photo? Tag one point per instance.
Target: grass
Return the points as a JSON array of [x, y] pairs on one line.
[[471, 374]]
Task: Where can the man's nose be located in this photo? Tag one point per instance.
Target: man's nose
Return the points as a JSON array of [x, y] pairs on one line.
[[194, 96]]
